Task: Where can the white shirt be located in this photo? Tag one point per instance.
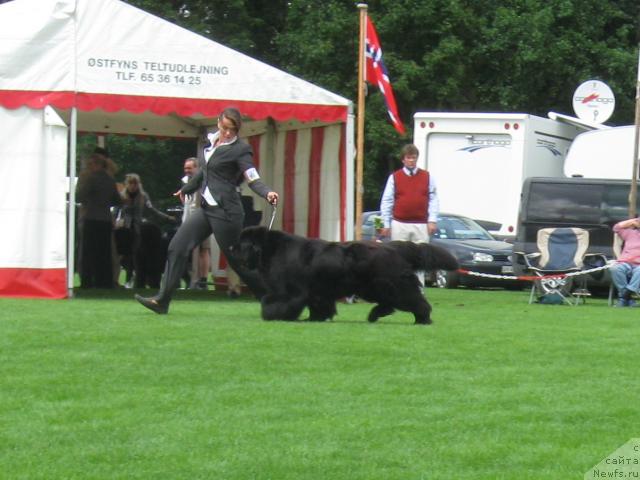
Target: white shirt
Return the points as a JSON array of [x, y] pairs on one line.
[[208, 153]]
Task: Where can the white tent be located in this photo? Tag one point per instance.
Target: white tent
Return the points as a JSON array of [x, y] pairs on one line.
[[107, 67]]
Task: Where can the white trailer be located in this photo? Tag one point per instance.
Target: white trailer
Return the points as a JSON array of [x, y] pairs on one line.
[[602, 154], [480, 160]]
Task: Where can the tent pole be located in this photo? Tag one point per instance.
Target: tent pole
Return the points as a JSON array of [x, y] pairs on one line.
[[71, 216]]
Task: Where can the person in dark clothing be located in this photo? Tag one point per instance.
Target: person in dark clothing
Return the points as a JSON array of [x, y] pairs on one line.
[[97, 193], [136, 254], [228, 162]]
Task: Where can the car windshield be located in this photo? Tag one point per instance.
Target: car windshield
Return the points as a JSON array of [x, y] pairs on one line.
[[460, 228]]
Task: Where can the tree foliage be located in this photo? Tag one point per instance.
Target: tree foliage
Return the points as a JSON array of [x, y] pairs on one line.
[[158, 162], [523, 56]]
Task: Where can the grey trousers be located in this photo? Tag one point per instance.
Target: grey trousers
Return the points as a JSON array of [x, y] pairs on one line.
[[200, 224]]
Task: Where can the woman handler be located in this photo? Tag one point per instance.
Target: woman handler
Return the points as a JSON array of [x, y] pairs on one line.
[[227, 163]]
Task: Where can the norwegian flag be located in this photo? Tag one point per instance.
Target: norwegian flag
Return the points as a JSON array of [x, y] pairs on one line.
[[376, 74]]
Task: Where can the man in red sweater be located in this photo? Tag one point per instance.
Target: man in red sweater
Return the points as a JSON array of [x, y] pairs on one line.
[[409, 205]]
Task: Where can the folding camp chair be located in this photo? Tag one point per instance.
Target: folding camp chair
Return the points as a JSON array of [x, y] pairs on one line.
[[561, 251]]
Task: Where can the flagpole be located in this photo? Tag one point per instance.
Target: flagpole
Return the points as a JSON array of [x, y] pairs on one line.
[[633, 194], [360, 124]]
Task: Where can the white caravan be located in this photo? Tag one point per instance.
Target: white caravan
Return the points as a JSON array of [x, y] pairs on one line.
[[602, 154], [480, 160]]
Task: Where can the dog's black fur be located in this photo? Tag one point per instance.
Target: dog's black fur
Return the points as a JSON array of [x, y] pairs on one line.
[[301, 272]]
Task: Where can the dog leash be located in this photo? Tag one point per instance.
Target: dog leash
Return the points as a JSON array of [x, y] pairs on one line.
[[274, 209]]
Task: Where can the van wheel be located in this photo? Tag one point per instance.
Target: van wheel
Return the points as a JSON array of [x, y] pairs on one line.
[[445, 279]]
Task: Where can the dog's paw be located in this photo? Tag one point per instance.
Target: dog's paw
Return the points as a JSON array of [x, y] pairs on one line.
[[423, 321]]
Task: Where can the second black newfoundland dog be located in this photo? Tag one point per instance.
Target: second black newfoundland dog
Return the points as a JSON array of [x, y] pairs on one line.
[[299, 272]]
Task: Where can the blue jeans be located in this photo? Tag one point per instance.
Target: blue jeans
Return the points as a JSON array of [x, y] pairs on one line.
[[625, 275]]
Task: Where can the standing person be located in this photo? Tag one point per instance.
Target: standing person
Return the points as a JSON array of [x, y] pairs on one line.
[[97, 193], [112, 169], [228, 162], [202, 260], [625, 273], [409, 205], [136, 204]]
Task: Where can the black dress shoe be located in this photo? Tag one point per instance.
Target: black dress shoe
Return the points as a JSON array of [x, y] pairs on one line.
[[152, 304]]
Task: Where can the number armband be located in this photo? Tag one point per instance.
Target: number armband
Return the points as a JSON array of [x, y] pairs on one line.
[[251, 175]]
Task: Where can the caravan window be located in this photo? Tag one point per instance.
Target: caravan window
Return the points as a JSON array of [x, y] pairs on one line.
[[562, 202]]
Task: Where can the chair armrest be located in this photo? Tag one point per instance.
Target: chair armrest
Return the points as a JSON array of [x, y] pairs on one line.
[[529, 258], [596, 260]]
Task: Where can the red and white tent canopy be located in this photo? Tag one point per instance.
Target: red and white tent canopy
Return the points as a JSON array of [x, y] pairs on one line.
[[105, 66]]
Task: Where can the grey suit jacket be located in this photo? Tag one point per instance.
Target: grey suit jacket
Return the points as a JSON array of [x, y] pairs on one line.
[[224, 173]]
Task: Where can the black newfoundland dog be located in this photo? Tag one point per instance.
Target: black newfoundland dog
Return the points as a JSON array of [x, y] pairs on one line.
[[299, 272]]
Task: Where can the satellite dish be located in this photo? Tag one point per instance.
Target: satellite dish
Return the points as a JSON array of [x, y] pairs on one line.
[[593, 101]]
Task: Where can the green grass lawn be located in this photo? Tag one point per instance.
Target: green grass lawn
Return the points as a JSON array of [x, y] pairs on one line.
[[99, 388]]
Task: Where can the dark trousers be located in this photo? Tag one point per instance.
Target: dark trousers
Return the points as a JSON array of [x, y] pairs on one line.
[[200, 224], [128, 240], [96, 267]]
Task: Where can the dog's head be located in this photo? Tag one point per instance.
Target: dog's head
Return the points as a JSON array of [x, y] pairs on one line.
[[249, 248], [424, 256], [439, 258]]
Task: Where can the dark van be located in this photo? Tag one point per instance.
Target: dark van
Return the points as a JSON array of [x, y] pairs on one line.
[[593, 204]]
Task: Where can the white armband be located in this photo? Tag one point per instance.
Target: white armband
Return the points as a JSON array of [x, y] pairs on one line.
[[251, 175]]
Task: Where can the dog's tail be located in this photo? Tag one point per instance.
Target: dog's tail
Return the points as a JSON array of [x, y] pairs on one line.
[[424, 256]]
